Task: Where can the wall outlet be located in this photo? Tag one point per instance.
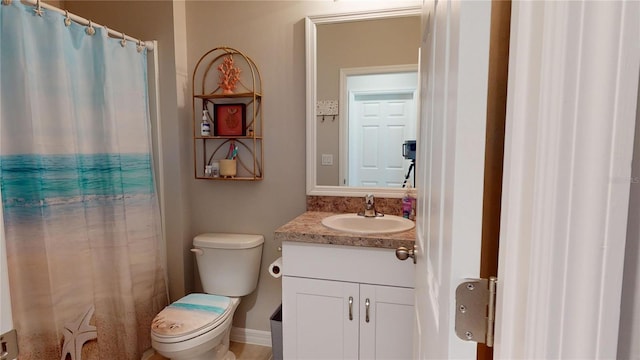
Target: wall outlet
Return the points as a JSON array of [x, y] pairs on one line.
[[327, 159]]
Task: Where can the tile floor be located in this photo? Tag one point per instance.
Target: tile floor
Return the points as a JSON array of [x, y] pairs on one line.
[[242, 351], [250, 352]]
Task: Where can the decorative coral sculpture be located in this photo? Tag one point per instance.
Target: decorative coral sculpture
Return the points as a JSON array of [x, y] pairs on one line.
[[229, 75]]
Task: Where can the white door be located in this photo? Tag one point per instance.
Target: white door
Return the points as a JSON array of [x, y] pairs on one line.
[[573, 87], [379, 123], [450, 168]]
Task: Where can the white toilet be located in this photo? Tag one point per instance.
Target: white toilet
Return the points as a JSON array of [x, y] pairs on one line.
[[197, 326]]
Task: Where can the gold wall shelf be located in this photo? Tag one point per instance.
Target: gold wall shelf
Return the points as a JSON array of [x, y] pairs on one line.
[[207, 94]]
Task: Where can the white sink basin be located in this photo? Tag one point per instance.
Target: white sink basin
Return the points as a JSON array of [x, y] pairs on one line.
[[368, 225]]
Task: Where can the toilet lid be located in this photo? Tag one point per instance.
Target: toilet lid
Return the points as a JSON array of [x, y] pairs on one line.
[[190, 314]]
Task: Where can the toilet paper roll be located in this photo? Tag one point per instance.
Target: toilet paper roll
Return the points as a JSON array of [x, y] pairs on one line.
[[275, 269]]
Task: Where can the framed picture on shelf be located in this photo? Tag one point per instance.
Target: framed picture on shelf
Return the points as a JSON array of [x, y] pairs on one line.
[[229, 119]]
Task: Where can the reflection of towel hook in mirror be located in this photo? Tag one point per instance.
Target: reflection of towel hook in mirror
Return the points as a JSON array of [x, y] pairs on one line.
[[332, 120], [327, 108]]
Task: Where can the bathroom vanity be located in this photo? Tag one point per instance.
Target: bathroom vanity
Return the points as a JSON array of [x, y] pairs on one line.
[[345, 296]]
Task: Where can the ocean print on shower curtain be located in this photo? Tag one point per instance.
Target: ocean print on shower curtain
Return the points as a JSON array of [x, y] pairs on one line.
[[81, 214]]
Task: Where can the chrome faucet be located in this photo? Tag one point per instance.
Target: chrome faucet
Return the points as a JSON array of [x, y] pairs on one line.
[[370, 207]]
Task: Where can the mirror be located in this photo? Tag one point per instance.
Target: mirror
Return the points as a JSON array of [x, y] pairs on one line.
[[361, 65]]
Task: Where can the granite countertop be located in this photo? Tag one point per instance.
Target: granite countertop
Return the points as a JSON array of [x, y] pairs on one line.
[[309, 229]]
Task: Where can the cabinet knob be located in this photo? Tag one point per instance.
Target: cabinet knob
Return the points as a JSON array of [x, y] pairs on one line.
[[402, 253]]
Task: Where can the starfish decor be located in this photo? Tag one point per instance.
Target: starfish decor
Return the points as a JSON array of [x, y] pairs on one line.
[[77, 333]]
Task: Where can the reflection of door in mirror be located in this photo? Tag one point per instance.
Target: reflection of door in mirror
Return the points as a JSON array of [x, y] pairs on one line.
[[358, 44], [382, 113]]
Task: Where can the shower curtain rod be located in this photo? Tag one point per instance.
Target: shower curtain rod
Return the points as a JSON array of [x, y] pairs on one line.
[[83, 21]]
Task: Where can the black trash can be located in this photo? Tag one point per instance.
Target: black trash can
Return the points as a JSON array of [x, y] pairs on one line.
[[276, 334]]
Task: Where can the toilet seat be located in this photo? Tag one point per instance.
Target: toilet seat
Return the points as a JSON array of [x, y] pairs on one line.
[[191, 316]]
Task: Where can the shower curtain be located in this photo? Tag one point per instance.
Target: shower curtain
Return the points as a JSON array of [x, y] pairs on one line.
[[81, 214]]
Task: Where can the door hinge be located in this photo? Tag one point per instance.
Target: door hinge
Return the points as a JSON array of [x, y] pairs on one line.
[[9, 345], [475, 310]]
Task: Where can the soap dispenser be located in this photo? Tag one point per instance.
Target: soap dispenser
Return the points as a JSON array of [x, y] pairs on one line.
[[205, 127], [413, 196], [409, 203]]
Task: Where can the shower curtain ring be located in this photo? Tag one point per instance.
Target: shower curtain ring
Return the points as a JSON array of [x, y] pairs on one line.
[[123, 42], [67, 18], [7, 2], [90, 30], [140, 46], [38, 10]]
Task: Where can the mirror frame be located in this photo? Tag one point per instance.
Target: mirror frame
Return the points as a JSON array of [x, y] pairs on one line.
[[311, 77]]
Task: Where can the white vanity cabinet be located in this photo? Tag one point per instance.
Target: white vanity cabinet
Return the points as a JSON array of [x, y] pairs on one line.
[[344, 302]]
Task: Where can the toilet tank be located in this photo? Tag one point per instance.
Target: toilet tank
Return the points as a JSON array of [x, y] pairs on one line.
[[229, 264]]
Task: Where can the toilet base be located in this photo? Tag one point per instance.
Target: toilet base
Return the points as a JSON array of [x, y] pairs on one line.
[[220, 352]]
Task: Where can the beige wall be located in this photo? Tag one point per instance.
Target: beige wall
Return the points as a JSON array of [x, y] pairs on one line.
[[363, 43], [57, 3], [272, 34]]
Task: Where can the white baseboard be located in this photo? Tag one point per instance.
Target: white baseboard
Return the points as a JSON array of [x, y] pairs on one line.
[[251, 336]]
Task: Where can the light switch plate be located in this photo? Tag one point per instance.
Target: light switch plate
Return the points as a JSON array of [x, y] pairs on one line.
[[327, 159]]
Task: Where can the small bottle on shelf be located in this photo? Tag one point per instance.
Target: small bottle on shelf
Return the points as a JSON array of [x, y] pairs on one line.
[[215, 169], [205, 127]]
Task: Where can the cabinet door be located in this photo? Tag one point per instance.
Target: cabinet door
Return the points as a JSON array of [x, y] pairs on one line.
[[388, 333], [316, 321]]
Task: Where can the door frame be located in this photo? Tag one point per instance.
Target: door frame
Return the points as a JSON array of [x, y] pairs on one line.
[[566, 178], [343, 106]]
